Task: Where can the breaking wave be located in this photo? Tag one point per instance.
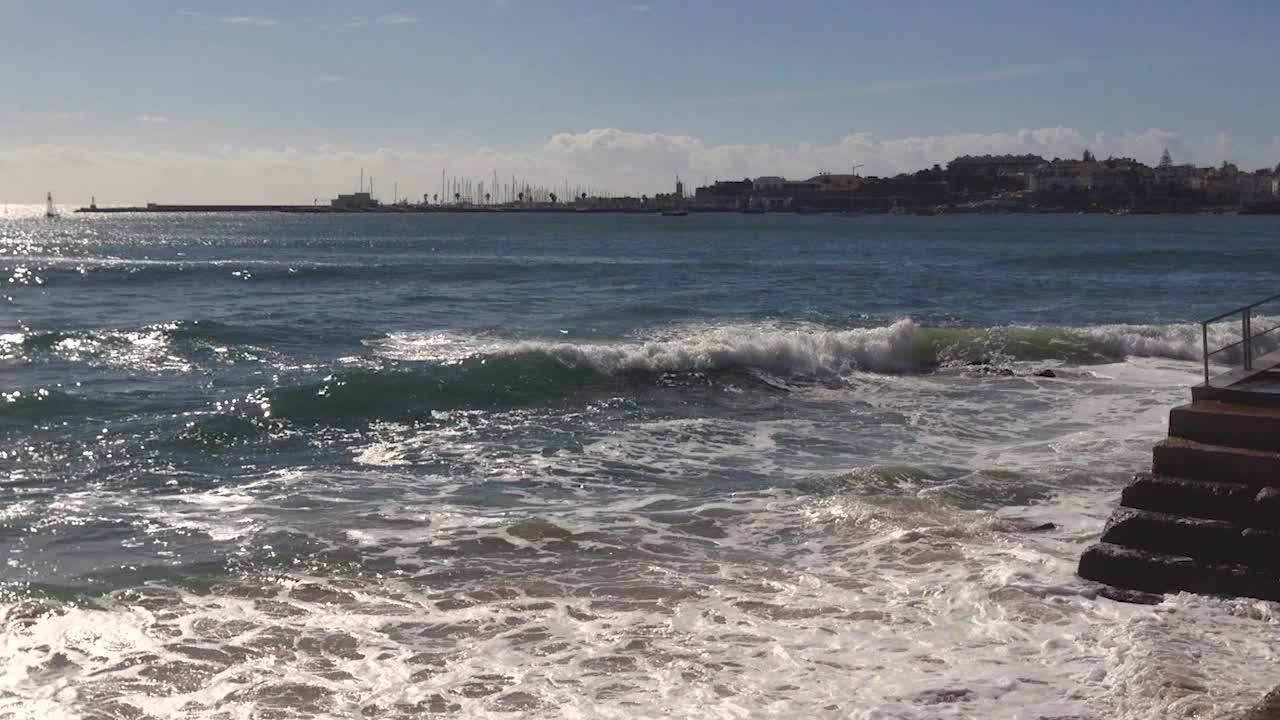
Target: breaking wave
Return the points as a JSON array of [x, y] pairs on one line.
[[450, 372], [444, 372], [900, 347], [903, 346]]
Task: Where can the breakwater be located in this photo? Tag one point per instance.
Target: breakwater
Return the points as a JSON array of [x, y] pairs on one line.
[[382, 209]]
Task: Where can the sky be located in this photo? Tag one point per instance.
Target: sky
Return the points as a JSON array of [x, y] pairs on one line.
[[137, 101]]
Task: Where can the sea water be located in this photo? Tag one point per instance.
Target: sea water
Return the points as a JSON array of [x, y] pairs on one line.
[[588, 466]]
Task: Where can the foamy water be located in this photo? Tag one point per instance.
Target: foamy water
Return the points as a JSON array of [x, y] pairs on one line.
[[367, 467], [855, 588]]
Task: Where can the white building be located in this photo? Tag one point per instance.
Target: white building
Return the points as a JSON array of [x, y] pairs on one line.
[[354, 201], [1068, 175], [1187, 176]]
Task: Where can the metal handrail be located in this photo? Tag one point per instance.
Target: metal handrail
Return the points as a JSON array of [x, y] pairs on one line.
[[1247, 336], [1238, 310]]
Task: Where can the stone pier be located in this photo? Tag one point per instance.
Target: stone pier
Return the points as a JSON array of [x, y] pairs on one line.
[[1206, 519]]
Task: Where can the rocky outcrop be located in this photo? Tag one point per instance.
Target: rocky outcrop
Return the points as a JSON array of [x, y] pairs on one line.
[[1207, 518], [1268, 708]]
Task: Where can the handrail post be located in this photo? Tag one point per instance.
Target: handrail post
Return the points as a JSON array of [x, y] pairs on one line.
[[1204, 331], [1246, 336], [1248, 339]]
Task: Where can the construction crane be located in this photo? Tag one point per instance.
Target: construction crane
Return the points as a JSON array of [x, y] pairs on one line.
[[853, 175]]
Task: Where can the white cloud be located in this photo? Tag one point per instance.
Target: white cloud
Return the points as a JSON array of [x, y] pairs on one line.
[[328, 79], [642, 8], [249, 20], [153, 119], [397, 19], [190, 13], [617, 160]]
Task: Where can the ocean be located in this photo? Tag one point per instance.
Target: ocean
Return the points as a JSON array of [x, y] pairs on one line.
[[601, 466]]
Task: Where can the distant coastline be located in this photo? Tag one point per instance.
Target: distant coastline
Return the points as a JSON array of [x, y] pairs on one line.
[[987, 184], [1260, 208]]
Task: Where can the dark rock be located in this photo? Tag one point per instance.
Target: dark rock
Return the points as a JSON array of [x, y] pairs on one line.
[[947, 695], [1043, 527], [534, 529], [976, 363], [986, 368], [518, 701], [317, 593], [1047, 373], [1268, 708], [1134, 597]]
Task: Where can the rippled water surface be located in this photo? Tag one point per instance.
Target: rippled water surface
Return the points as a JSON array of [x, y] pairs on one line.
[[600, 466]]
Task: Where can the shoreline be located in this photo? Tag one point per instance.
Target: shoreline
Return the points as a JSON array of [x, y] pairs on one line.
[[426, 210]]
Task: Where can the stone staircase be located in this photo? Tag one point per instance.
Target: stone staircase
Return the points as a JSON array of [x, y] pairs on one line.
[[1206, 519]]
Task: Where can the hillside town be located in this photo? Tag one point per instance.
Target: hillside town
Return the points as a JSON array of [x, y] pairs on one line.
[[1012, 183]]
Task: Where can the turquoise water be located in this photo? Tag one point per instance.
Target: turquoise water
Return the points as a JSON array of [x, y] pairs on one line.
[[604, 466]]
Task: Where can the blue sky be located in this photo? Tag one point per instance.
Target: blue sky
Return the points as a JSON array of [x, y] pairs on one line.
[[149, 100]]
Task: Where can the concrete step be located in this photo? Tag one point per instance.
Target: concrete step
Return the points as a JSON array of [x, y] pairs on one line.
[[1266, 509], [1261, 549], [1235, 395], [1215, 541], [1227, 424], [1179, 457], [1161, 573], [1190, 498]]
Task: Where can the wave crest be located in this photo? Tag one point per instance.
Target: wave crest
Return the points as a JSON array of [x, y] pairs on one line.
[[900, 347], [893, 348]]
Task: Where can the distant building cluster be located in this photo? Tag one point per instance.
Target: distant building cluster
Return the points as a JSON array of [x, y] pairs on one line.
[[1010, 182], [822, 191]]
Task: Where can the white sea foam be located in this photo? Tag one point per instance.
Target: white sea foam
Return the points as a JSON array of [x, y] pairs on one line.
[[902, 346], [881, 565], [1180, 341], [764, 346], [890, 348], [811, 608]]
